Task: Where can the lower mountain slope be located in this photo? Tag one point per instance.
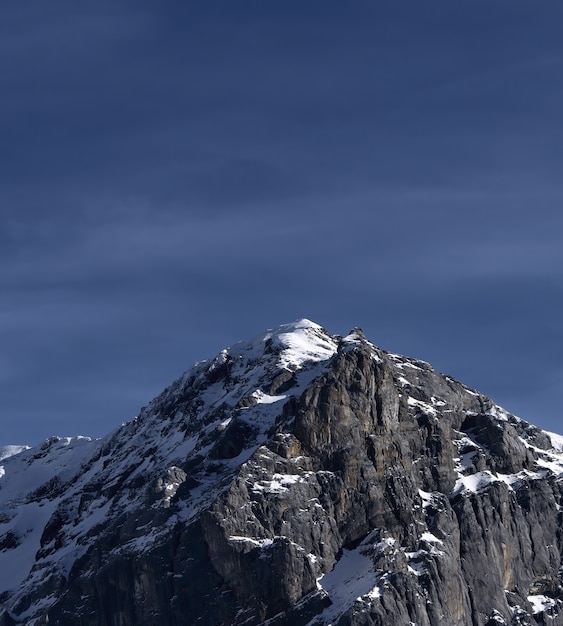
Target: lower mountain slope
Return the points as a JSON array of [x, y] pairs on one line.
[[297, 479]]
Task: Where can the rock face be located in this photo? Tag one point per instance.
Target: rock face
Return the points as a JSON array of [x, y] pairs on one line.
[[297, 479]]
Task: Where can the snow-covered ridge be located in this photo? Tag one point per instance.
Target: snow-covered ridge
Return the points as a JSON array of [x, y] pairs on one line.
[[302, 342], [296, 344], [8, 451], [245, 374]]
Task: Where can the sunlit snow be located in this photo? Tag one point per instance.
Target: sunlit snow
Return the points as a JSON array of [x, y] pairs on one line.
[[352, 578], [541, 603]]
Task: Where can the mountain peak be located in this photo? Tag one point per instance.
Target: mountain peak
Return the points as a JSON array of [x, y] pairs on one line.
[[301, 342], [296, 478]]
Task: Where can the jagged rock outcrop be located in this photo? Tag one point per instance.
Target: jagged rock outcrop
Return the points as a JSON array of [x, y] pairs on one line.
[[298, 479]]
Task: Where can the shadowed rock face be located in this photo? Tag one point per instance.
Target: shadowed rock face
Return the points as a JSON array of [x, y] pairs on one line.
[[302, 479]]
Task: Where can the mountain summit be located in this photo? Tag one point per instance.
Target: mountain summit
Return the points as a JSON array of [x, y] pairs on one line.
[[298, 479]]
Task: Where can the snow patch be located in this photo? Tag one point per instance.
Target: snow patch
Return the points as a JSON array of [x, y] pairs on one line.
[[251, 541], [426, 497], [403, 361], [428, 536], [541, 603], [352, 579], [497, 617], [416, 568], [264, 398], [423, 406], [474, 483], [469, 391], [555, 465], [278, 484], [480, 481]]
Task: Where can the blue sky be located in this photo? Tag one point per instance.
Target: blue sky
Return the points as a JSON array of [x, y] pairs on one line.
[[175, 178]]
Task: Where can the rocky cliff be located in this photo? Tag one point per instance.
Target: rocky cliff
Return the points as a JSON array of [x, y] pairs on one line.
[[297, 479]]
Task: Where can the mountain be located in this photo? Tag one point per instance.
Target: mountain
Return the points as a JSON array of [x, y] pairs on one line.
[[296, 479]]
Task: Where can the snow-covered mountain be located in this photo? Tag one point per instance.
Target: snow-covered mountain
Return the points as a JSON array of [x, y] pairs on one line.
[[298, 478]]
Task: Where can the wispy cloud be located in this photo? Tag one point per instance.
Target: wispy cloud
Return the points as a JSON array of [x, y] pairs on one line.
[[174, 178]]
